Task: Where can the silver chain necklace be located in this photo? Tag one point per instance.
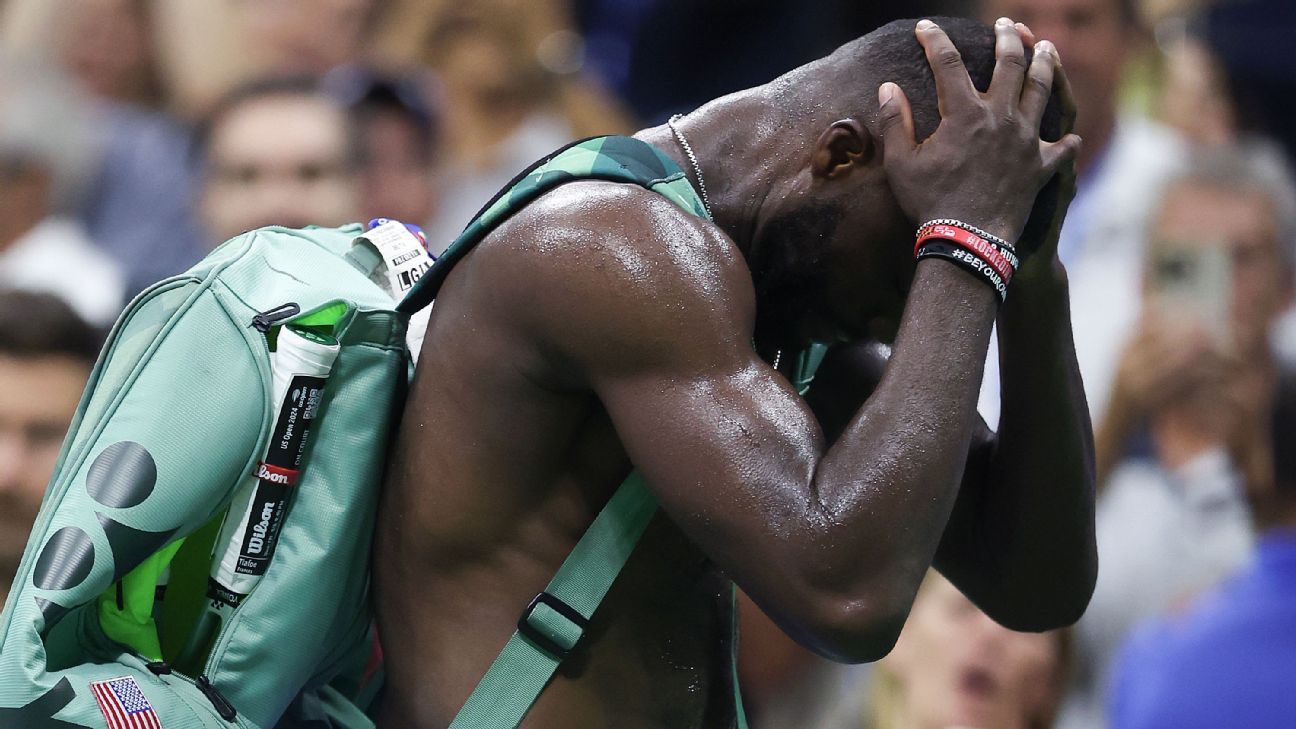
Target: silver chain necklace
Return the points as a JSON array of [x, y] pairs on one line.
[[706, 201], [697, 169]]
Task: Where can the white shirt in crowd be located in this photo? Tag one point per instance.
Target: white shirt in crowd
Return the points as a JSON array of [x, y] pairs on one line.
[[57, 257]]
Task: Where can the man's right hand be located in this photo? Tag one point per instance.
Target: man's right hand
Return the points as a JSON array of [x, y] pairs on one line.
[[985, 163]]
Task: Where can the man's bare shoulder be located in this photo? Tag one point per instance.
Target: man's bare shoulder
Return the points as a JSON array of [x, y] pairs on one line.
[[593, 223], [596, 261]]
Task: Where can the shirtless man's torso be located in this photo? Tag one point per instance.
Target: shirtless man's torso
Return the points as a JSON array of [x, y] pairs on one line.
[[602, 326]]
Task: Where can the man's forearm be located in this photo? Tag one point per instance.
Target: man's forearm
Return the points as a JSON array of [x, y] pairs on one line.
[[888, 483], [1037, 517]]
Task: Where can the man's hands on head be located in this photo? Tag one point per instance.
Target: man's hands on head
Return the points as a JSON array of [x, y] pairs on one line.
[[985, 163]]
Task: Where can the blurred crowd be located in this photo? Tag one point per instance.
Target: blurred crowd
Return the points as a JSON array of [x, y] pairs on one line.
[[136, 135]]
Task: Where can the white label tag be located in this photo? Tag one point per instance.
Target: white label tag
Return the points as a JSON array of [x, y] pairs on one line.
[[404, 258], [404, 261]]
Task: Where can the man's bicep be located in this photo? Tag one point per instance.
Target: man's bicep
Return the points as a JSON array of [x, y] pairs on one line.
[[729, 449]]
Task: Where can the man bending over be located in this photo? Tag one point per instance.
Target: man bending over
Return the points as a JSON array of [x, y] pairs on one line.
[[603, 328]]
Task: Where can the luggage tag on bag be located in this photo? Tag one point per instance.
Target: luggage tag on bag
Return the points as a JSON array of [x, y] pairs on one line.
[[401, 259]]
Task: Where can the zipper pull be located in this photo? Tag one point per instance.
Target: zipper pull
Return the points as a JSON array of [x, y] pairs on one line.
[[268, 318], [218, 702]]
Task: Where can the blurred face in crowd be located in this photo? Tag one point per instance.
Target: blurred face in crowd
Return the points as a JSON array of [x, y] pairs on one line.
[[955, 667], [307, 36], [396, 175], [38, 396], [105, 45], [1091, 36], [1245, 224], [485, 53], [279, 160]]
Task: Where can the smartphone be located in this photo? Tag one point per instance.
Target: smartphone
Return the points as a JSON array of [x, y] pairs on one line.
[[1192, 283]]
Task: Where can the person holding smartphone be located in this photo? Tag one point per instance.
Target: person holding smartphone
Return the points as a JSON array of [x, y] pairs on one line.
[[1183, 440]]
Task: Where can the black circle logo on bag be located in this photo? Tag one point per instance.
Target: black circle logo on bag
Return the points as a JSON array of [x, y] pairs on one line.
[[123, 475]]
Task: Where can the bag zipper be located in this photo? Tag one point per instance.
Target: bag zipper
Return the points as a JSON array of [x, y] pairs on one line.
[[268, 318]]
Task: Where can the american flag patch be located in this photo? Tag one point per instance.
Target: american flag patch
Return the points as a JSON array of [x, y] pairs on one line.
[[123, 704]]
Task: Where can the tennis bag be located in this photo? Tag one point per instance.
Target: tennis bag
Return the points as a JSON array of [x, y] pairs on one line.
[[176, 424], [189, 442]]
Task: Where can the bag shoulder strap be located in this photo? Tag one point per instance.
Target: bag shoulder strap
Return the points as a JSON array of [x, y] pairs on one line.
[[551, 626], [555, 621]]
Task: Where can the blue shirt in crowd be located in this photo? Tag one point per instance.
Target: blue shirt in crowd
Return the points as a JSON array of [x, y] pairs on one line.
[[1228, 661]]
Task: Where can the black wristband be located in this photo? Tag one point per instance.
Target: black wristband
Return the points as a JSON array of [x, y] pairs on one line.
[[967, 260]]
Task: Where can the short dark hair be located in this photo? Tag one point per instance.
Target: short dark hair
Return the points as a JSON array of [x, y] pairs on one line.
[[268, 88], [892, 53], [852, 74], [36, 324]]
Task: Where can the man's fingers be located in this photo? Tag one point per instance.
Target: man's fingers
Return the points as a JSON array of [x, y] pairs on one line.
[[1027, 35], [1039, 83], [954, 88], [1066, 173], [895, 118], [1010, 65], [1056, 154], [1062, 85]]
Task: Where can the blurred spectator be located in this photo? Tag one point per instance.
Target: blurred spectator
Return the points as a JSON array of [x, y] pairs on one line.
[[137, 202], [511, 97], [398, 129], [42, 152], [1195, 98], [1261, 77], [278, 152], [107, 45], [955, 667], [46, 352], [1183, 437], [1123, 166], [307, 37], [1228, 660]]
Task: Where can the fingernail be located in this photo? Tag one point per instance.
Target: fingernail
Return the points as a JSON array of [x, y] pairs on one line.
[[1045, 47], [1003, 21], [925, 24], [886, 92]]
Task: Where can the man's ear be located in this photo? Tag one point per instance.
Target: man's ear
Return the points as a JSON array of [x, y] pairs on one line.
[[843, 146]]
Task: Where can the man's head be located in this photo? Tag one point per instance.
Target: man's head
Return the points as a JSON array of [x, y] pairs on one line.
[[46, 352], [1238, 206], [830, 238], [1093, 38], [278, 152]]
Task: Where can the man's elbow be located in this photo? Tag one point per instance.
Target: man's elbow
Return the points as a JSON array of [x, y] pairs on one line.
[[1056, 603], [855, 630], [1072, 598]]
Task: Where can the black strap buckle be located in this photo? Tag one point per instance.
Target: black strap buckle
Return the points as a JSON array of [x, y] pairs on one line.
[[541, 640]]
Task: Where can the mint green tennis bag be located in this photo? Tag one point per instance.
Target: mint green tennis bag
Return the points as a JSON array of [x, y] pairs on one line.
[[175, 415], [111, 594]]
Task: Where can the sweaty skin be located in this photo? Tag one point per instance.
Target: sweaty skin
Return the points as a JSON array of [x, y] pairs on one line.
[[602, 326]]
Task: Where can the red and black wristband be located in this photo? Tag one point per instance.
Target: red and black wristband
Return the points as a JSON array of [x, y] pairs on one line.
[[965, 259]]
